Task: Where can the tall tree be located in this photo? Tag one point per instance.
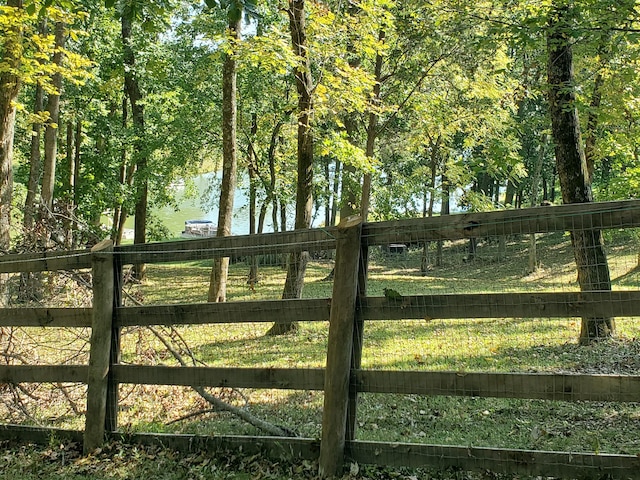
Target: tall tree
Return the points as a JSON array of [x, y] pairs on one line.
[[35, 159], [588, 248], [297, 264], [51, 130], [11, 53], [134, 94], [10, 81], [219, 273]]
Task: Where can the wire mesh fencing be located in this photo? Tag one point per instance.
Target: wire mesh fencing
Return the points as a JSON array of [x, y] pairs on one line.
[[468, 330], [493, 323]]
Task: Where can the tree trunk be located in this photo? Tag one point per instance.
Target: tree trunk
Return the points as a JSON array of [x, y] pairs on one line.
[[510, 193], [336, 188], [554, 176], [252, 166], [592, 125], [445, 209], [9, 88], [35, 160], [327, 193], [372, 132], [427, 209], [220, 270], [75, 197], [51, 130], [273, 197], [535, 184], [304, 199], [35, 169], [141, 183], [30, 282], [283, 215], [588, 248], [71, 185], [119, 210]]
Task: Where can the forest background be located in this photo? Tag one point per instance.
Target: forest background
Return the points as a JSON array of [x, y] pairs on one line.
[[389, 109]]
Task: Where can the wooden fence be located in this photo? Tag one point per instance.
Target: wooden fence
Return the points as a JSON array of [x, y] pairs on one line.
[[348, 310]]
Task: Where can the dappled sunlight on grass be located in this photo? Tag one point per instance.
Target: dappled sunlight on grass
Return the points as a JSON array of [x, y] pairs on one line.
[[474, 345], [501, 423], [189, 283]]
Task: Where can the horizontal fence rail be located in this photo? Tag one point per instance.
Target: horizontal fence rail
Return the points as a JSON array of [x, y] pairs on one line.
[[412, 455], [523, 462], [46, 261], [312, 310], [43, 373], [602, 215], [418, 307], [542, 386], [561, 218], [269, 378], [45, 317], [239, 245], [504, 305]]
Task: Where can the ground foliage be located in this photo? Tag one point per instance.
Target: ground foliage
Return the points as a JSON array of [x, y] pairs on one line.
[[117, 461]]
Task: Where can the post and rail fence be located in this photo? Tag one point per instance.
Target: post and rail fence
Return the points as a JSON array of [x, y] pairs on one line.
[[348, 311]]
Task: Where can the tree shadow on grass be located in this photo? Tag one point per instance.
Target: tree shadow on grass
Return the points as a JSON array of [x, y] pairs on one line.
[[616, 356]]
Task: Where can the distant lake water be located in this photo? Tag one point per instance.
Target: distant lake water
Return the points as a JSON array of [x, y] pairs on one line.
[[199, 207]]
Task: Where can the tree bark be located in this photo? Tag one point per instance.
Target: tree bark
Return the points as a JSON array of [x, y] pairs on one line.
[[125, 178], [588, 248], [75, 197], [35, 161], [535, 187], [445, 209], [9, 88], [334, 196], [592, 124], [252, 166], [30, 282], [271, 195], [220, 270], [372, 132], [51, 130], [297, 265], [510, 193], [430, 188], [70, 187], [327, 193], [140, 160]]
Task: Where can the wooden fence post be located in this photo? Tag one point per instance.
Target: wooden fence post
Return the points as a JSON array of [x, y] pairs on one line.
[[100, 349], [339, 349], [113, 388], [358, 339]]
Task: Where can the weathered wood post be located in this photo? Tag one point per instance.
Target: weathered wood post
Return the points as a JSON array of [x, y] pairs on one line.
[[339, 349], [358, 339], [113, 388], [100, 349]]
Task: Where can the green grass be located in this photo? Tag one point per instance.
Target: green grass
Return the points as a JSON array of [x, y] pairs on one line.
[[461, 345]]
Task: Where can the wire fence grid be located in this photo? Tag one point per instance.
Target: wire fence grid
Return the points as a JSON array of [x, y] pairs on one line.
[[475, 271]]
